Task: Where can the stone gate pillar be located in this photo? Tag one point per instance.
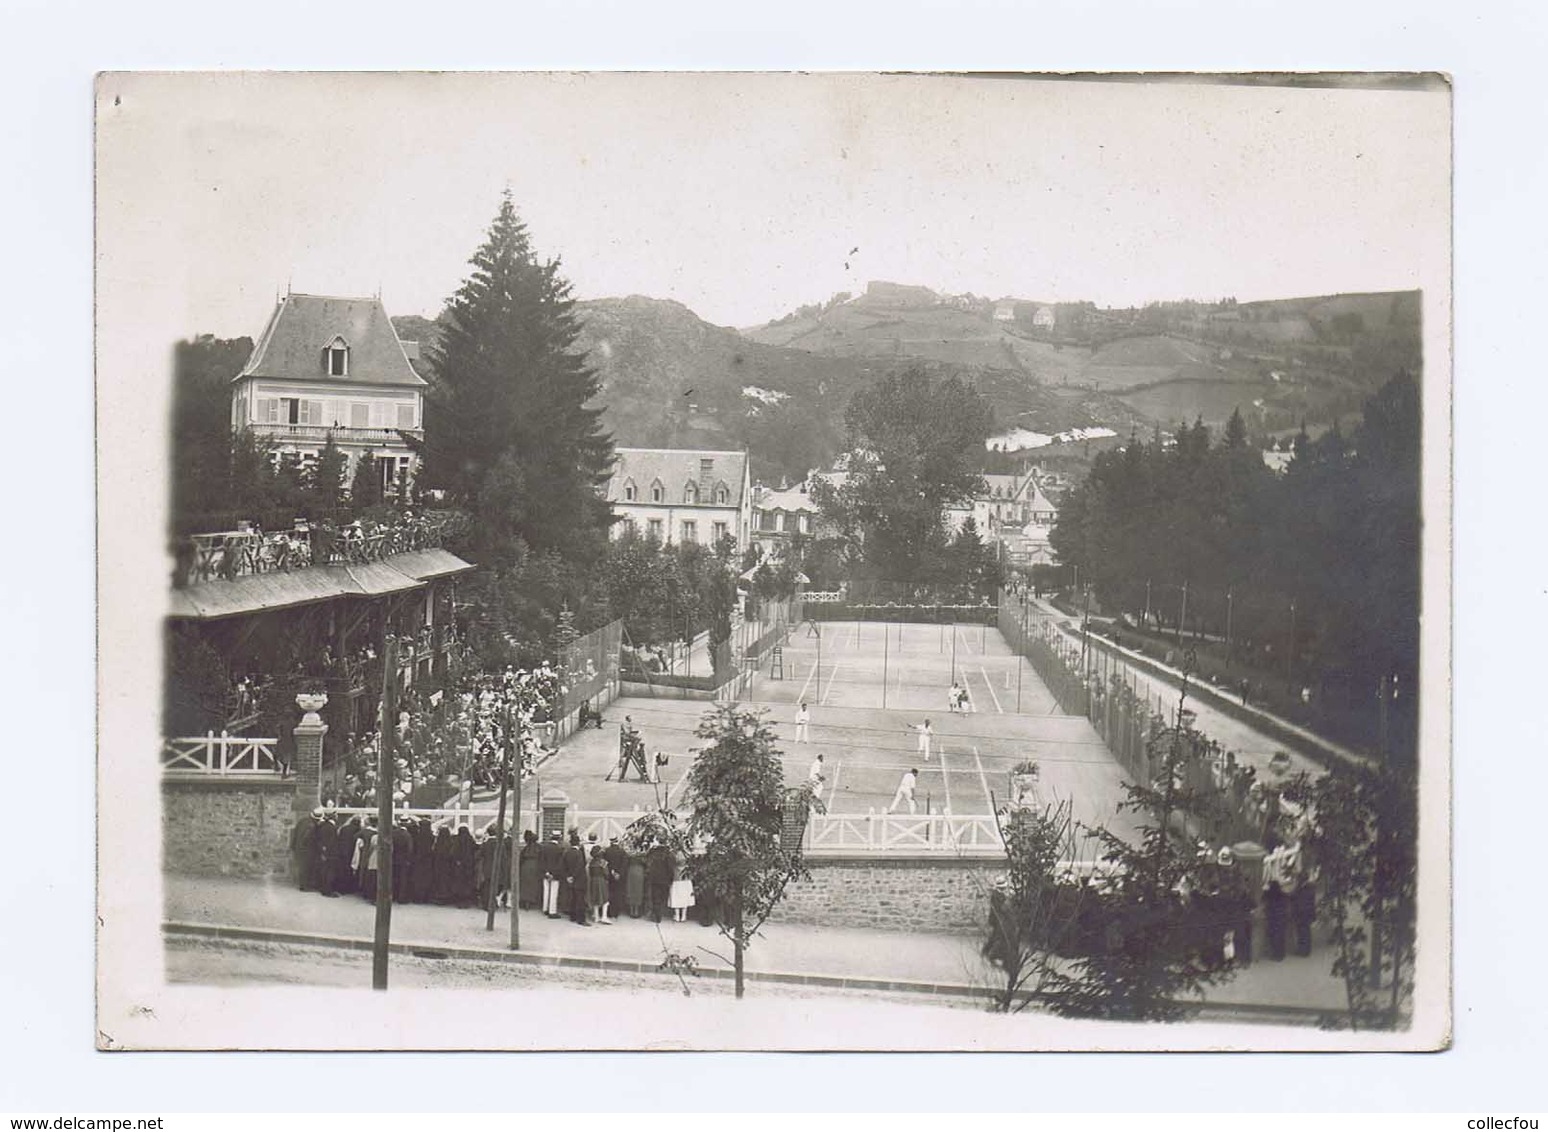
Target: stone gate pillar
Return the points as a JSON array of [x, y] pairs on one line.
[[309, 741]]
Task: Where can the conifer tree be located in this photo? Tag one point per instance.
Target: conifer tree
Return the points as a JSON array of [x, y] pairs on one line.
[[511, 430], [325, 480]]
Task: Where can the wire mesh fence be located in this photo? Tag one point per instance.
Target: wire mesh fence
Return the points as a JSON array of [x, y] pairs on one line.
[[590, 665]]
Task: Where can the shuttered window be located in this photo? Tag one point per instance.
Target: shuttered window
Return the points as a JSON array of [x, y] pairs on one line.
[[406, 415], [359, 414]]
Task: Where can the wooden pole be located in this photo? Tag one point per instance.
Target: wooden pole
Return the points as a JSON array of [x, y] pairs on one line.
[[385, 773], [885, 649], [516, 762], [505, 772]]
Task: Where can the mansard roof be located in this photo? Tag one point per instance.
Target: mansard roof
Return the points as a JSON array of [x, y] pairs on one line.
[[681, 466], [302, 326]]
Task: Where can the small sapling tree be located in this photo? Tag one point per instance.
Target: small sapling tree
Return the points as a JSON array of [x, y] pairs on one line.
[[738, 800]]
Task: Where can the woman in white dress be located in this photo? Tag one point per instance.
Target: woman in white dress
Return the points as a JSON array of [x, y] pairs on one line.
[[680, 895]]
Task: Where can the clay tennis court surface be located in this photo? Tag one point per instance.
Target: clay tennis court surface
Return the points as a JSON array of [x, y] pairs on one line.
[[867, 684]]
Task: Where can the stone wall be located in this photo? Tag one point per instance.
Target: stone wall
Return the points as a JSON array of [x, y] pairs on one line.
[[227, 827], [909, 893]]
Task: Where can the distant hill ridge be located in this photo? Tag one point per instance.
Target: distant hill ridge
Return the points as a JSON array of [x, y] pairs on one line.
[[671, 379]]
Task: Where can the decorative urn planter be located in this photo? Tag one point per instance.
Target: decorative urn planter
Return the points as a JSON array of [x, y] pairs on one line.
[[311, 703], [1023, 785]]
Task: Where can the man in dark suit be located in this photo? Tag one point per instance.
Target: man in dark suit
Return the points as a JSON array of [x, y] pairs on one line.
[[658, 878], [550, 865], [617, 858], [574, 869]]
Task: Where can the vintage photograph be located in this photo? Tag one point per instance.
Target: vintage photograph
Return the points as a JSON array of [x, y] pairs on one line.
[[774, 561]]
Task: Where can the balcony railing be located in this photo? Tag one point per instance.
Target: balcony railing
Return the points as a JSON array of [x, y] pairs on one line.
[[340, 433], [226, 555]]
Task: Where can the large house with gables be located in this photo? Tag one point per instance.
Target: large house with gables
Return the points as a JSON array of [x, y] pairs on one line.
[[682, 495], [326, 365]]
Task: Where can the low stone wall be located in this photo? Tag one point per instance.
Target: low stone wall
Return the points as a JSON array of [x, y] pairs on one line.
[[227, 827], [905, 893]]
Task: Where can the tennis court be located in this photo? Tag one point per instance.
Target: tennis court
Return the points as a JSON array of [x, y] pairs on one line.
[[867, 747]]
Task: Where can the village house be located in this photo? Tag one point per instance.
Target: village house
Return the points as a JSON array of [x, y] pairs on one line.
[[779, 515], [682, 495], [329, 366]]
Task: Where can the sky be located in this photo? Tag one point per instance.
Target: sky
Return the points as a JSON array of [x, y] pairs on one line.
[[745, 196]]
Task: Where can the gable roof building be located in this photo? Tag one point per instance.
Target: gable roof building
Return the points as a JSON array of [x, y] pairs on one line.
[[326, 365], [683, 494]]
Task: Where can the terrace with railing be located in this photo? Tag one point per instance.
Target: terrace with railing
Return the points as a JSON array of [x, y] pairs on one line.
[[227, 555]]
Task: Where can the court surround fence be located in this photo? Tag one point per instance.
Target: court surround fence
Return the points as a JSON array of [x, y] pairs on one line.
[[1088, 683], [590, 665]]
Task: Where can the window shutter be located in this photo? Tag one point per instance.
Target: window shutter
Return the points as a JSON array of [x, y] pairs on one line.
[[406, 416], [359, 415]]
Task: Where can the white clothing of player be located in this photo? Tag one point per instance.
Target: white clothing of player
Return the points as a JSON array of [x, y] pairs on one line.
[[905, 792], [924, 738], [803, 717]]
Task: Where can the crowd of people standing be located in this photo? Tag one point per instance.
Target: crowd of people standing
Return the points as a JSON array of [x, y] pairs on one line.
[[336, 854]]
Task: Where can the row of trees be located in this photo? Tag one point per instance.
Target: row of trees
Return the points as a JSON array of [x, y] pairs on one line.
[[218, 473], [915, 447], [1337, 535]]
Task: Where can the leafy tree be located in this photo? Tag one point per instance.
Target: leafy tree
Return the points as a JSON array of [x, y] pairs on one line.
[[1160, 950], [202, 369], [196, 692], [1034, 911], [253, 481], [915, 445], [325, 482], [365, 486], [510, 428], [1364, 844], [738, 800]]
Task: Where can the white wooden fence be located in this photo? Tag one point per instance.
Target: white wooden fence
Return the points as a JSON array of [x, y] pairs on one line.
[[966, 835], [219, 754], [859, 835]]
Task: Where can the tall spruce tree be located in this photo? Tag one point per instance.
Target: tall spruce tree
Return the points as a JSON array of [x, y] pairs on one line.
[[510, 430]]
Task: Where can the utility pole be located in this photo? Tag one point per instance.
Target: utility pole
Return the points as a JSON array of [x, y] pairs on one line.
[[953, 652], [1021, 648], [385, 768], [886, 636], [818, 627], [1228, 626], [1290, 646], [1145, 621], [1182, 617], [1085, 634], [505, 771], [518, 764]]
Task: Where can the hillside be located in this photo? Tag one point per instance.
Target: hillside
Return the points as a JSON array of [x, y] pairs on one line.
[[1277, 361], [671, 379]]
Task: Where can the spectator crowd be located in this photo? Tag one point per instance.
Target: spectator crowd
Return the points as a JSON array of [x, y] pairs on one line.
[[337, 853]]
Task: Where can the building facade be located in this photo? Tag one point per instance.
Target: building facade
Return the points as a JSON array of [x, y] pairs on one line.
[[329, 366], [682, 495], [778, 516]]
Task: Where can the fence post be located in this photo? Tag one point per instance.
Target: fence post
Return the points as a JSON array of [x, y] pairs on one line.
[[309, 742]]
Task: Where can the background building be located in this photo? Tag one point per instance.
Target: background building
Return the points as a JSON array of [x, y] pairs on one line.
[[327, 365], [779, 515], [683, 494]]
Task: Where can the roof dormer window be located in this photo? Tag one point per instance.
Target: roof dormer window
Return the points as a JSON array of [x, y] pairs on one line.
[[657, 491], [336, 358], [691, 493], [722, 494], [629, 491]]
